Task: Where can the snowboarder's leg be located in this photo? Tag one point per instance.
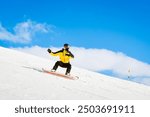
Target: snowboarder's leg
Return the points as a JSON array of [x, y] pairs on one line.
[[68, 65], [58, 63], [64, 65]]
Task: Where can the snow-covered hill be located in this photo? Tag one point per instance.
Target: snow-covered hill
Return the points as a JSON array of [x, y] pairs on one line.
[[20, 79]]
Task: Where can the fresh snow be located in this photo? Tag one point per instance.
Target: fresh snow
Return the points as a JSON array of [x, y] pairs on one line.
[[20, 78]]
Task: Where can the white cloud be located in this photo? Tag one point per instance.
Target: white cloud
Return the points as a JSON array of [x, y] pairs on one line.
[[24, 32], [100, 60]]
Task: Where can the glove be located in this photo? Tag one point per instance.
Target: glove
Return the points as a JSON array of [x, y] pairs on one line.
[[49, 50]]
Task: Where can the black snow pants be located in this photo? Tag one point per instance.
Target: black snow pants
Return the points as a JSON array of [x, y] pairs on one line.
[[64, 65]]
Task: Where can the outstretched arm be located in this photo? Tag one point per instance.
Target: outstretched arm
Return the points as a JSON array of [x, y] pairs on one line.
[[54, 53]]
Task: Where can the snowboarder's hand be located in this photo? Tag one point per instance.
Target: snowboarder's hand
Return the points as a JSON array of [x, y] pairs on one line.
[[49, 50]]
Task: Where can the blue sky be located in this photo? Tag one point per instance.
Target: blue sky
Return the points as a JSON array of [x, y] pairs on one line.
[[117, 25]]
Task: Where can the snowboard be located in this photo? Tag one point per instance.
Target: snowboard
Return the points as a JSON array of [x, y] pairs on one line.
[[69, 77]]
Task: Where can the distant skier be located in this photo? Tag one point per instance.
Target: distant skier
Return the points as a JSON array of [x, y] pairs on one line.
[[64, 56]]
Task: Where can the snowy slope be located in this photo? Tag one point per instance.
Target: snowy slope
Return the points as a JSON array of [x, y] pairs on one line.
[[20, 79]]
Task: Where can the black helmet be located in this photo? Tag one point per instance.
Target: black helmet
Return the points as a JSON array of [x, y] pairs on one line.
[[66, 45]]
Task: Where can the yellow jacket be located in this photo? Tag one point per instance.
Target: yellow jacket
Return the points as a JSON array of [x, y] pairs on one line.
[[63, 55]]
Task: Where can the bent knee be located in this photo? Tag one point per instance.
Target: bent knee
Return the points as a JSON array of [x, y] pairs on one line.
[[69, 65]]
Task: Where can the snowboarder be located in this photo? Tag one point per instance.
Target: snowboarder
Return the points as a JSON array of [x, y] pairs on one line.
[[65, 56]]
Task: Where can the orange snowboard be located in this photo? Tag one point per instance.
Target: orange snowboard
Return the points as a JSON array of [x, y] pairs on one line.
[[61, 75]]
